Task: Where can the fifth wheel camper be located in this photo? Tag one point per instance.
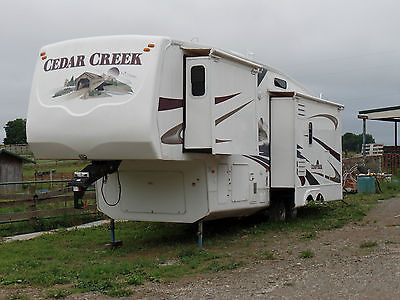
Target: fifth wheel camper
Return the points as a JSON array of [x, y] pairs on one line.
[[180, 132]]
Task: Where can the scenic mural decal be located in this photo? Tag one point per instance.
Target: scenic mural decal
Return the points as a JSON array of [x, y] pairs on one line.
[[91, 85]]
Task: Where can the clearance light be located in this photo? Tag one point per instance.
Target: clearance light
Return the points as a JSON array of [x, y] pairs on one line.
[[44, 57], [146, 49], [150, 45], [42, 53]]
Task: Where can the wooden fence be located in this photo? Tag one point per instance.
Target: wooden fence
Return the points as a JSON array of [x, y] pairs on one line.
[[391, 162], [33, 200]]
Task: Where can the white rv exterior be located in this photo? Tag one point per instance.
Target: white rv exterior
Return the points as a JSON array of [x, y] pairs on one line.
[[201, 133]]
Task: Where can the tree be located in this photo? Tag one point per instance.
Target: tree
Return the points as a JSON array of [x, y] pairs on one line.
[[353, 142], [15, 132]]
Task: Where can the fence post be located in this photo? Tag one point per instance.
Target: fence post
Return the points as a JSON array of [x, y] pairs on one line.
[[32, 207]]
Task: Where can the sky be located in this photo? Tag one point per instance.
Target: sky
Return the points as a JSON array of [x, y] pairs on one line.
[[346, 50]]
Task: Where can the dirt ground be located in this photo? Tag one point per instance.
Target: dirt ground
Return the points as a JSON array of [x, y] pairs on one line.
[[341, 267]]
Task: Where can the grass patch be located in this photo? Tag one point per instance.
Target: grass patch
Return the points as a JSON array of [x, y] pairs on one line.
[[307, 254], [309, 235], [216, 266], [17, 296], [57, 293], [369, 244], [268, 255], [45, 224]]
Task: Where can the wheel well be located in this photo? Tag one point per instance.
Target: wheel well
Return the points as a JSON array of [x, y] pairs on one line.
[[320, 197], [283, 194]]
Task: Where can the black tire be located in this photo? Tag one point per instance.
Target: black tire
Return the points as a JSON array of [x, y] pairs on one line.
[[278, 211], [292, 212]]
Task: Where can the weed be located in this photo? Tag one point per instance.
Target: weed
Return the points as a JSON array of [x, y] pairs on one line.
[[309, 235], [389, 242], [18, 296], [119, 292], [307, 254], [268, 255], [216, 266], [57, 293], [368, 244], [135, 280]]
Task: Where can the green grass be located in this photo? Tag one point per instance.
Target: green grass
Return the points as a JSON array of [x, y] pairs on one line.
[[61, 166], [307, 254], [369, 244], [268, 255], [309, 235], [161, 252], [50, 223]]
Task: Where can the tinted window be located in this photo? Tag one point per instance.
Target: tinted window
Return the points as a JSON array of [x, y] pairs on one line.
[[198, 78], [280, 83]]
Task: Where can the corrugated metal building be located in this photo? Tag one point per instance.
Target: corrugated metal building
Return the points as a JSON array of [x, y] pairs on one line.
[[11, 169]]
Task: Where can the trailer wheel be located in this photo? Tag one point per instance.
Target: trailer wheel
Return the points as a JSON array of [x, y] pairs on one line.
[[278, 211], [293, 213]]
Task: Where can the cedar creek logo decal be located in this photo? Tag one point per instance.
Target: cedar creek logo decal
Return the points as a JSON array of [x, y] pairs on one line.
[[96, 59], [91, 85]]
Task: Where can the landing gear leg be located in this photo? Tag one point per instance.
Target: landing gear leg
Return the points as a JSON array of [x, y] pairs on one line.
[[113, 242], [200, 233]]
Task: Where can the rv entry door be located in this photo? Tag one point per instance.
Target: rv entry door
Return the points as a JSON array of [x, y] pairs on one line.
[[198, 133]]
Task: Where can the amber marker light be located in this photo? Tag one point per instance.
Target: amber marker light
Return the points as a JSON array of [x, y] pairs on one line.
[[42, 53], [150, 45], [44, 57], [146, 49]]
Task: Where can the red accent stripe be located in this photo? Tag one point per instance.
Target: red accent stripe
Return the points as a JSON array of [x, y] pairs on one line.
[[169, 103], [224, 98], [226, 116], [222, 141], [330, 150]]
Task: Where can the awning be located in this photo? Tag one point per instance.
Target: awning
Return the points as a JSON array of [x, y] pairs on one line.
[[291, 94], [391, 114]]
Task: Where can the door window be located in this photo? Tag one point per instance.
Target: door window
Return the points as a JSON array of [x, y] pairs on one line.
[[198, 79]]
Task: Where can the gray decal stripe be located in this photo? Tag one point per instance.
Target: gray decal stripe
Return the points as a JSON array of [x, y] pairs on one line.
[[299, 155], [258, 161], [325, 146], [311, 179], [330, 117], [264, 159], [336, 178], [226, 116], [224, 98], [173, 136]]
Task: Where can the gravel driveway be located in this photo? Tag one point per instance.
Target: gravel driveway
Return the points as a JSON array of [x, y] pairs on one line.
[[344, 267]]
